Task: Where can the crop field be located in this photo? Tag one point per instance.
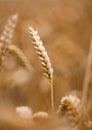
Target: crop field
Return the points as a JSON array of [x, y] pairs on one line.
[[45, 65]]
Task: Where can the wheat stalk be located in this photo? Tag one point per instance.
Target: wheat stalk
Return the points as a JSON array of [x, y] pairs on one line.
[[6, 37], [20, 55], [84, 103], [44, 58], [87, 76]]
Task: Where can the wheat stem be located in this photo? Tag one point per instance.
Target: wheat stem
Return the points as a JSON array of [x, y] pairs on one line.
[[51, 89], [87, 76]]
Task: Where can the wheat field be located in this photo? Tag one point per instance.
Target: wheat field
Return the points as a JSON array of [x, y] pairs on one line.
[[45, 65]]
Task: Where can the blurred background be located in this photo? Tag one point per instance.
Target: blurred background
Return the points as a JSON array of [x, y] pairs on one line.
[[65, 27]]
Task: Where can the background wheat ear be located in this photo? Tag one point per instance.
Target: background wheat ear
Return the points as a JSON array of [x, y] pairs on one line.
[[6, 40], [20, 55], [6, 36], [70, 106], [44, 58]]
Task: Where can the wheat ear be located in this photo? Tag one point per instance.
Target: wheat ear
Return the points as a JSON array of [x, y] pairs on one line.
[[6, 40], [20, 55], [45, 61], [40, 116], [70, 106], [7, 35]]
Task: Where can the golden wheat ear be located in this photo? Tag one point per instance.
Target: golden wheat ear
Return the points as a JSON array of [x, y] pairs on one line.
[[6, 40], [6, 36], [70, 106], [20, 55], [44, 58], [40, 116], [9, 29]]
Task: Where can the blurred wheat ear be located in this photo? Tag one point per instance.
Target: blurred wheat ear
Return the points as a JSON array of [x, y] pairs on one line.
[[44, 58], [20, 55], [70, 106], [7, 46], [6, 36]]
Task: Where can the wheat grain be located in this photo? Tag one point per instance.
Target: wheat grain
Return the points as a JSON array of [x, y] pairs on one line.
[[9, 29], [6, 46], [6, 37], [20, 55], [24, 111], [40, 116], [44, 58], [88, 124], [70, 106]]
